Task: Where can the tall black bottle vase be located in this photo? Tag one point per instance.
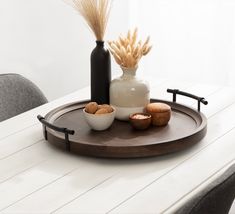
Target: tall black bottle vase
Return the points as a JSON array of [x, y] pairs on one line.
[[100, 74]]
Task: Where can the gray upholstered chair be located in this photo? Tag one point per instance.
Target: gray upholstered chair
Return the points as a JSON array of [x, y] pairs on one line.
[[17, 95], [216, 198]]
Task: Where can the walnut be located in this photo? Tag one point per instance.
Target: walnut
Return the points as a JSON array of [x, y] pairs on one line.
[[102, 111], [91, 107], [107, 107]]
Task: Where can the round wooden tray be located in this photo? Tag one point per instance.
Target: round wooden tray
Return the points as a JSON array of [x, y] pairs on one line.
[[186, 127]]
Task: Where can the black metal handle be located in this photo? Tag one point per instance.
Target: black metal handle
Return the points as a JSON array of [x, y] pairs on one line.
[[177, 91], [65, 131], [55, 128]]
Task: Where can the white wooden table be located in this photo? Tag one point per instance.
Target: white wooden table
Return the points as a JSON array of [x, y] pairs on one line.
[[35, 177]]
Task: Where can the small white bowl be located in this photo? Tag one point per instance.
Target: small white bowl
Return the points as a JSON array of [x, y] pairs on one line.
[[99, 122]]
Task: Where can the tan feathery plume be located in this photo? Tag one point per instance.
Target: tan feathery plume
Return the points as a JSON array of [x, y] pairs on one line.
[[96, 14], [127, 51]]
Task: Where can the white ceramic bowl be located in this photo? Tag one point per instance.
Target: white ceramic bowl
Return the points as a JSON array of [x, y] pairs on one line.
[[99, 122]]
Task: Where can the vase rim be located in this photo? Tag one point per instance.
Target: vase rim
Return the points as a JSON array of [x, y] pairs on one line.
[[129, 69], [99, 42]]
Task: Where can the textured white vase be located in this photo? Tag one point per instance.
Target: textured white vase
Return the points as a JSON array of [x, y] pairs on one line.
[[128, 94]]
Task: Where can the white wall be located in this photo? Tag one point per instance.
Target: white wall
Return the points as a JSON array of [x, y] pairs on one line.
[[193, 39], [46, 41]]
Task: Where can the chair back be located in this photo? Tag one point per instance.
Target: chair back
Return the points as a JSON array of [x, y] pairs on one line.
[[17, 95], [215, 198]]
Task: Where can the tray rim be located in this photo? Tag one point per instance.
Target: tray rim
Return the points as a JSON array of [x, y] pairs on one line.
[[199, 131]]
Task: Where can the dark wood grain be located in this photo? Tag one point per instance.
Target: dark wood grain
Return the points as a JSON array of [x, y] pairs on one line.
[[186, 127]]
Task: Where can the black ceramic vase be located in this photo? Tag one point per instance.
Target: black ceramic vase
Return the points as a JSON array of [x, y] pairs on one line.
[[100, 74]]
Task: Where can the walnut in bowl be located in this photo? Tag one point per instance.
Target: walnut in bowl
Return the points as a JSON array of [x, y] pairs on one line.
[[99, 117]]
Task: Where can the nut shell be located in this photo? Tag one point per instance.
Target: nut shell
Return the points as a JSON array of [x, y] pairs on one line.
[[107, 107], [91, 107], [102, 111]]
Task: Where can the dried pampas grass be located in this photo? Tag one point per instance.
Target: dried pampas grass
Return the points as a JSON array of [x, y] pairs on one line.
[[96, 14], [127, 51]]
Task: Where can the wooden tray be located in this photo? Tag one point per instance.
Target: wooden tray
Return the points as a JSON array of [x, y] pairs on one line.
[[186, 127]]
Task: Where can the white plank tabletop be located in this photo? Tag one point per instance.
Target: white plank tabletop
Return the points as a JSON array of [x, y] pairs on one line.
[[36, 177]]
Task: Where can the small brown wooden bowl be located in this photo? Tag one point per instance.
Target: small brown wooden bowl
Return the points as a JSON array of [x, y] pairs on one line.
[[140, 123]]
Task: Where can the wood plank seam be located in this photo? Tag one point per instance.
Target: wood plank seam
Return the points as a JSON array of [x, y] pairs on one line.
[[25, 170], [200, 184], [222, 109], [19, 131], [211, 94], [22, 149], [53, 181], [80, 195], [178, 165]]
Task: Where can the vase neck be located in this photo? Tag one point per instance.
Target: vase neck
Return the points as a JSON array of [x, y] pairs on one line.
[[128, 72], [100, 43]]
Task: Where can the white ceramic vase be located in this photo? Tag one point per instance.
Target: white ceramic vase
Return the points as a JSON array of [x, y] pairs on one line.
[[128, 94]]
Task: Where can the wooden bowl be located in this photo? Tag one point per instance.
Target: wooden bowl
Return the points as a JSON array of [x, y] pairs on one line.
[[160, 112], [140, 121]]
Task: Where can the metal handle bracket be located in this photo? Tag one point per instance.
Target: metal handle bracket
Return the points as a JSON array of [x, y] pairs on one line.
[[199, 99], [65, 131]]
